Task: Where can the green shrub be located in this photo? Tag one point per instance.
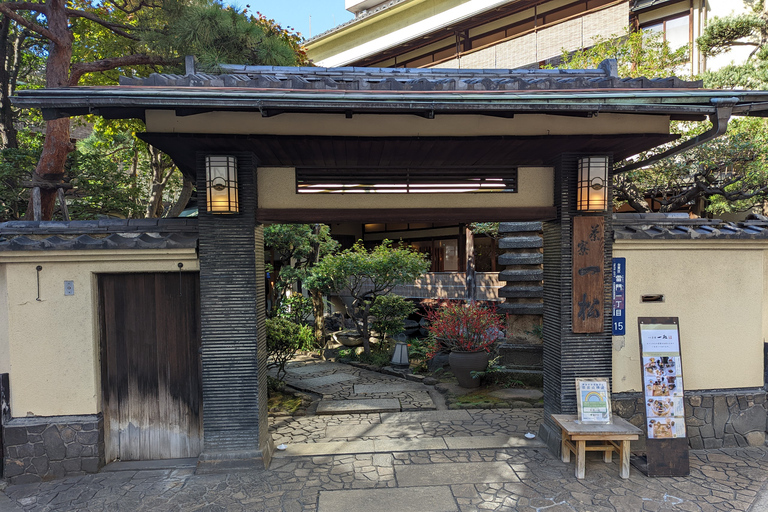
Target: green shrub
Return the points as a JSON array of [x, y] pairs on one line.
[[284, 339], [390, 312]]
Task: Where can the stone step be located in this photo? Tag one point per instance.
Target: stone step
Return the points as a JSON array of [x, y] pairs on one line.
[[521, 275], [516, 291], [521, 242], [521, 355], [521, 308], [521, 259], [519, 227], [358, 406]]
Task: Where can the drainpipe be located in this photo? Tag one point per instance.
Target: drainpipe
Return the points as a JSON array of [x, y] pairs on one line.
[[719, 119]]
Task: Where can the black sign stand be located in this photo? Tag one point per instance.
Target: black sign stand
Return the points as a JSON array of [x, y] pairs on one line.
[[661, 371]]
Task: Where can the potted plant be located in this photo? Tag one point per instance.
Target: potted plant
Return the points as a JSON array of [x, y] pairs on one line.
[[468, 331]]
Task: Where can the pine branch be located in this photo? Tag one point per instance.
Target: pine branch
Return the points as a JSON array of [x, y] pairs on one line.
[[80, 68], [9, 9], [117, 28]]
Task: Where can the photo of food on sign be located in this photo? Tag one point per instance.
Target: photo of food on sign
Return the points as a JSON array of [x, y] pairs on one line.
[[663, 407], [661, 428]]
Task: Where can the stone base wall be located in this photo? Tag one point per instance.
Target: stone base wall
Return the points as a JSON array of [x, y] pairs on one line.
[[714, 419], [45, 448]]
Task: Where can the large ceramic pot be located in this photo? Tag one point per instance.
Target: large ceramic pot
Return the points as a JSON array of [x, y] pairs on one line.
[[463, 363]]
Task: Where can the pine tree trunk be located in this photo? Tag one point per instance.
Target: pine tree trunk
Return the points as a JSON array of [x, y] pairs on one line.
[[57, 143]]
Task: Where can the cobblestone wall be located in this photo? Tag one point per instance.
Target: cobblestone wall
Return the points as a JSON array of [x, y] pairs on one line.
[[714, 419], [44, 448]]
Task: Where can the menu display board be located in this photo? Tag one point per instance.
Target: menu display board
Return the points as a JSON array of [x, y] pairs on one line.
[[594, 400], [662, 379]]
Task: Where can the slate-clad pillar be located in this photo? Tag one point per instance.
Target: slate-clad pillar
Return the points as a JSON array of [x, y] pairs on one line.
[[234, 359], [568, 355]]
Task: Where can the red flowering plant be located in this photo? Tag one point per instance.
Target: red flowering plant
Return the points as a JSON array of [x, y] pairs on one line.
[[463, 327]]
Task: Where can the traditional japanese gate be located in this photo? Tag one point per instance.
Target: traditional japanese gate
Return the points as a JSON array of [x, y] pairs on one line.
[[276, 123]]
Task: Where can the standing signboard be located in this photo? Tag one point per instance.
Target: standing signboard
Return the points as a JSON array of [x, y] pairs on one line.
[[593, 400], [662, 373]]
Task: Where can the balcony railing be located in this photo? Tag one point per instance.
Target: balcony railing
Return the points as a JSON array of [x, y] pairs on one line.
[[449, 285]]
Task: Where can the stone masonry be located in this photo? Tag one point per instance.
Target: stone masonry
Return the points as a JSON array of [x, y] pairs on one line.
[[714, 419], [45, 448]]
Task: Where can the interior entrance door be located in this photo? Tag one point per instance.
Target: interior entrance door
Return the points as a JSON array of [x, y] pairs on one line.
[[150, 365]]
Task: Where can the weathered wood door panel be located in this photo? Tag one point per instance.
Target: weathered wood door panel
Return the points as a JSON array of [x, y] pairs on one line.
[[150, 365]]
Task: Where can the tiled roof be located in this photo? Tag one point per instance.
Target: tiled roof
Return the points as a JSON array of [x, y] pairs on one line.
[[659, 226], [409, 79], [98, 234]]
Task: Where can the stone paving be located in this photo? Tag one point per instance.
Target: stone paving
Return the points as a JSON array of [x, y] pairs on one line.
[[412, 461], [337, 382], [525, 480]]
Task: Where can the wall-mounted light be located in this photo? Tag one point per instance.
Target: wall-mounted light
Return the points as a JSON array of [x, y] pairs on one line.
[[221, 184], [593, 184]]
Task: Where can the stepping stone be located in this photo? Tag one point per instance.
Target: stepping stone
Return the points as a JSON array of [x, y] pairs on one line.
[[454, 473], [308, 369], [517, 394], [383, 387], [375, 430], [358, 406], [414, 499], [326, 380], [491, 442], [422, 416]]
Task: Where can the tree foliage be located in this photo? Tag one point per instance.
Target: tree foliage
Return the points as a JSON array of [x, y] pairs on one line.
[[390, 312], [723, 175], [93, 41], [284, 339], [367, 275]]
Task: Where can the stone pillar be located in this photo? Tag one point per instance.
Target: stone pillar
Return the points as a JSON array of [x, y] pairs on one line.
[[568, 355], [232, 315]]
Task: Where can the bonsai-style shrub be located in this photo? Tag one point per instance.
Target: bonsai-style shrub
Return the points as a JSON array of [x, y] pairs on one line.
[[463, 327], [390, 312], [366, 275], [284, 339]]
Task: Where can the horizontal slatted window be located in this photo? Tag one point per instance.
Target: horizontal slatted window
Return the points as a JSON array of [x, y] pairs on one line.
[[405, 180]]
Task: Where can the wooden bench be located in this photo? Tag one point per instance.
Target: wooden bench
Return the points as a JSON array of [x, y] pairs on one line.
[[608, 438]]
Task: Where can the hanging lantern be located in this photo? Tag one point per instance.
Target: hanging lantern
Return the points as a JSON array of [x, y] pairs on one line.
[[221, 184], [593, 184]]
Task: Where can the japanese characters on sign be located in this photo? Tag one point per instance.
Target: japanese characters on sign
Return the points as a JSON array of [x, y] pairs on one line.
[[662, 378], [619, 293], [593, 400], [588, 258]]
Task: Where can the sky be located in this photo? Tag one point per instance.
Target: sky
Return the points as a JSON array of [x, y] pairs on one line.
[[325, 14]]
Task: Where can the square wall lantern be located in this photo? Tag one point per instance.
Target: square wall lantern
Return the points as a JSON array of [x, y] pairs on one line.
[[593, 184], [221, 184]]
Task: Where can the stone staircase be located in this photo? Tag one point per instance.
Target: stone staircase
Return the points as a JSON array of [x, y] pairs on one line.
[[523, 294]]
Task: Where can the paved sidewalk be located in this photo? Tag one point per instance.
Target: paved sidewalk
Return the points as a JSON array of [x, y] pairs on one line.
[[415, 460], [516, 479]]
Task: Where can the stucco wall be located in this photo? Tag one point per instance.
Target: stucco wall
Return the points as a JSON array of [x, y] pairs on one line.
[[5, 363], [718, 290], [277, 189], [372, 125], [53, 343]]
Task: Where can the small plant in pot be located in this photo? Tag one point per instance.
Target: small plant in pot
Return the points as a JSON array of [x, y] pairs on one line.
[[469, 331]]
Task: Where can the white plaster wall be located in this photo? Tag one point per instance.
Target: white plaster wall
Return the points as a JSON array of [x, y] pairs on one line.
[[5, 358], [53, 343], [718, 289], [277, 189]]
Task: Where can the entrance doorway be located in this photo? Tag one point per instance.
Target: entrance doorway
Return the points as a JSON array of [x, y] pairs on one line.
[[150, 365]]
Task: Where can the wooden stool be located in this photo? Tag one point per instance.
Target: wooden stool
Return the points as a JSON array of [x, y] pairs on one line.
[[607, 438]]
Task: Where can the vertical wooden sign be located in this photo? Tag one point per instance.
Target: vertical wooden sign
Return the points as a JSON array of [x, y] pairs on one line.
[[588, 283]]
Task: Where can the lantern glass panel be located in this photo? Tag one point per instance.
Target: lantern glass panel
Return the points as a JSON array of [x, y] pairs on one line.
[[221, 184], [593, 184]]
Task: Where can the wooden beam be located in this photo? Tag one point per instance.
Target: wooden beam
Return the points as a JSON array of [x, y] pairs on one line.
[[46, 185], [310, 215]]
